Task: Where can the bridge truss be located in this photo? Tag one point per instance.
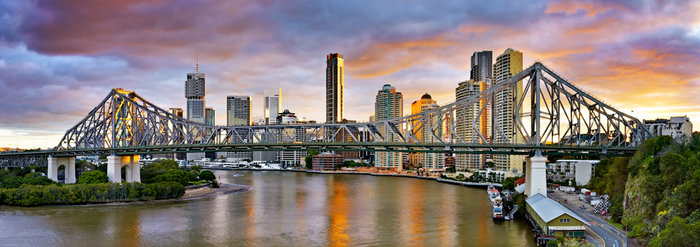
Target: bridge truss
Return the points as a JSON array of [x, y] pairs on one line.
[[536, 109]]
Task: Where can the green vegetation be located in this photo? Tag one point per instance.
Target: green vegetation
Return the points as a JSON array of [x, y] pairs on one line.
[[207, 175], [162, 180], [654, 194], [509, 183], [8, 182], [308, 159], [92, 177], [88, 193]]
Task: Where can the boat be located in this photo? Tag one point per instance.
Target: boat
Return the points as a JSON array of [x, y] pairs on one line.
[[496, 201], [498, 209]]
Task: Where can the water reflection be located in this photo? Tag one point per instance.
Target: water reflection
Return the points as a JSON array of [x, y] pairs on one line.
[[282, 209]]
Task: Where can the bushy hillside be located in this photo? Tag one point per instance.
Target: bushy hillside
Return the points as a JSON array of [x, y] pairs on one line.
[[662, 193]]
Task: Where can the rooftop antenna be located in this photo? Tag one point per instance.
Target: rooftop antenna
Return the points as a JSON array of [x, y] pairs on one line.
[[196, 70]]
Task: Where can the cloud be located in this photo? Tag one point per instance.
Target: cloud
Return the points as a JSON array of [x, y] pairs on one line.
[[60, 58]]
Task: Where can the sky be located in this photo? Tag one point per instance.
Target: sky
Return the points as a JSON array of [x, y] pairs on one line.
[[59, 59]]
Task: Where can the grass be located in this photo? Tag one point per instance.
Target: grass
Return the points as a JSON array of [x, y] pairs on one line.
[[615, 224]]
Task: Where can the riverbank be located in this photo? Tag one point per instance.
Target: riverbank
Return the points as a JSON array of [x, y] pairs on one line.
[[466, 184]]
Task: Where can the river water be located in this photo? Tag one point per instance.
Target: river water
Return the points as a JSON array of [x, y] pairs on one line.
[[282, 209]]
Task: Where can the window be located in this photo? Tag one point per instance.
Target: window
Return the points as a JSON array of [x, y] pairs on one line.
[[564, 220]]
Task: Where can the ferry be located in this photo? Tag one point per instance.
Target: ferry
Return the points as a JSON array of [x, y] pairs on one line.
[[497, 202]]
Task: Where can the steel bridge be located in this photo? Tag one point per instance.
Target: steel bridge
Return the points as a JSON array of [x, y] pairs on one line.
[[534, 113], [561, 120]]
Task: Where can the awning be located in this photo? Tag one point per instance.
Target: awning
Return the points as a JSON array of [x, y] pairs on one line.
[[567, 228]]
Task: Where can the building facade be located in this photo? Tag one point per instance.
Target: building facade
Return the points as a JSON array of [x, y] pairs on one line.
[[195, 93], [272, 107], [388, 105], [580, 171], [326, 161], [177, 112], [680, 128], [507, 65], [418, 159], [481, 69], [334, 88], [238, 111], [209, 116], [291, 158], [473, 123]]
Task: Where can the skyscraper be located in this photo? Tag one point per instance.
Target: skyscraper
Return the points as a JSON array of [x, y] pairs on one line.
[[209, 116], [507, 65], [334, 88], [194, 92], [272, 107], [469, 123], [418, 159], [238, 109], [481, 66], [388, 105]]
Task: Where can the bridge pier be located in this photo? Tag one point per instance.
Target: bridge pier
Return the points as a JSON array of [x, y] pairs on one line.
[[69, 165], [536, 175], [115, 164]]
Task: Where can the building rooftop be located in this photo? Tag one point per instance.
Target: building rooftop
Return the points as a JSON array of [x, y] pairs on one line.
[[426, 96], [549, 209]]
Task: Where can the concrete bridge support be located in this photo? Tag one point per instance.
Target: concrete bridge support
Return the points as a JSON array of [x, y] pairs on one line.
[[115, 164], [69, 165], [536, 175]]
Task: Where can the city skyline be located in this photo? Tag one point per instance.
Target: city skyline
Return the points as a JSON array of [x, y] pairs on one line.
[[48, 65]]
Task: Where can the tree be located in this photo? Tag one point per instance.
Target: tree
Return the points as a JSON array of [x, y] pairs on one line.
[[676, 233], [93, 177], [173, 175], [150, 171], [309, 158], [207, 175]]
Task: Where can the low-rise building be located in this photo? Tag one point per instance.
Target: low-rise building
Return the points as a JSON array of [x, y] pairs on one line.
[[553, 218], [326, 161], [680, 128], [579, 170]]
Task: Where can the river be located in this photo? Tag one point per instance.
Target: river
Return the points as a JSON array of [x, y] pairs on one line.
[[282, 209]]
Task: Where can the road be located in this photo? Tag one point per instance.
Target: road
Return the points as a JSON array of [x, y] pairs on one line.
[[612, 236]]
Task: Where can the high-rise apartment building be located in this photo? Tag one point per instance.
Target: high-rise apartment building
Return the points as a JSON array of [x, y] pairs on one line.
[[418, 159], [507, 65], [272, 107], [432, 162], [238, 111], [194, 92], [334, 88], [471, 126], [388, 105]]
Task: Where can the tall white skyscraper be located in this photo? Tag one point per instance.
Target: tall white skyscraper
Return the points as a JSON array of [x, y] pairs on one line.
[[272, 107], [469, 123]]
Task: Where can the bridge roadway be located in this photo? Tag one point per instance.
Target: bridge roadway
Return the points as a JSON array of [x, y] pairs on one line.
[[510, 149]]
